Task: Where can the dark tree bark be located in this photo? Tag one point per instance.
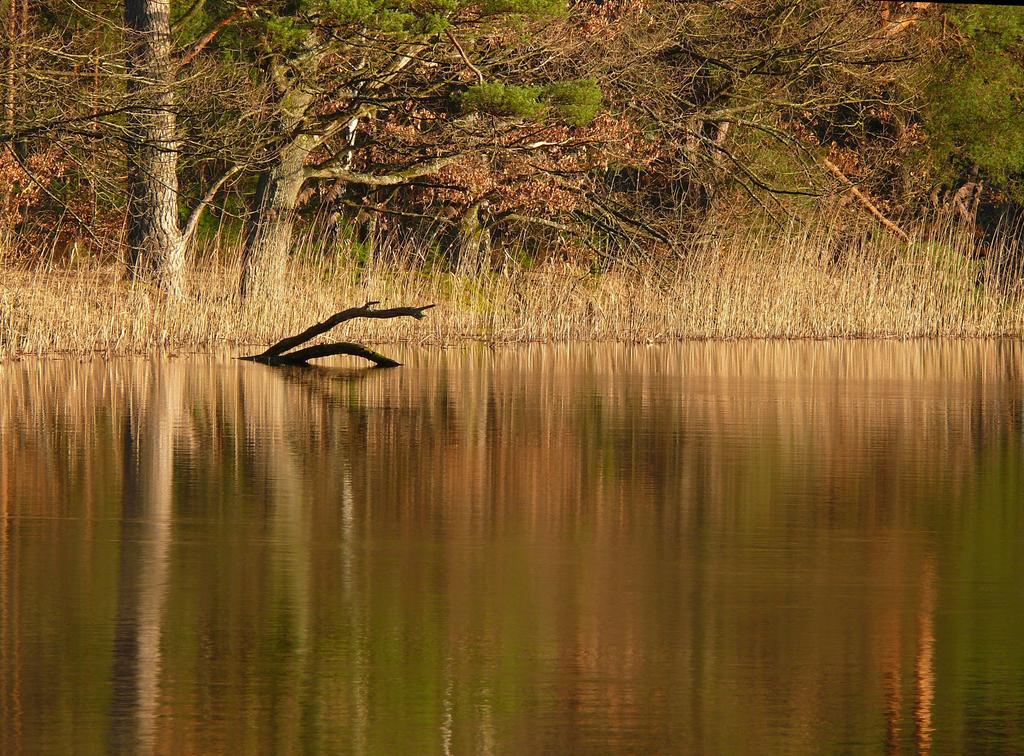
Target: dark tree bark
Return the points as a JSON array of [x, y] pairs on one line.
[[155, 249]]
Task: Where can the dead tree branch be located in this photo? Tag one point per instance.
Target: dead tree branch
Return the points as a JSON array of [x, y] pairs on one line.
[[280, 354], [862, 198]]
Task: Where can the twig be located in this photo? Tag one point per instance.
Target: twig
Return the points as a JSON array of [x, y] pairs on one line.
[[465, 58], [197, 212], [51, 195]]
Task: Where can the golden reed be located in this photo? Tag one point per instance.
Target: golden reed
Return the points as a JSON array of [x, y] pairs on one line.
[[805, 282]]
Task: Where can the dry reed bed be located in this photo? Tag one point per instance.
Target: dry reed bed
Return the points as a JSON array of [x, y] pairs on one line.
[[759, 285]]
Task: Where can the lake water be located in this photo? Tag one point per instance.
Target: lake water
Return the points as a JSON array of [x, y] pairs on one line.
[[700, 548]]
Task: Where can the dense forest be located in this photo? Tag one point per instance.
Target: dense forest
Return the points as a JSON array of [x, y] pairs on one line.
[[479, 134]]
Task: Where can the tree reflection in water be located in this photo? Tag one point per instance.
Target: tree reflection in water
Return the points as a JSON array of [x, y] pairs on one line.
[[705, 547]]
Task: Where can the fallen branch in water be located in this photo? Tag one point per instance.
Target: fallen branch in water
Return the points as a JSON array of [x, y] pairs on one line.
[[279, 354]]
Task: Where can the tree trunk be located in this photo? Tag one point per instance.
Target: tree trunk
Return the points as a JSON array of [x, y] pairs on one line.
[[10, 65], [155, 250], [474, 240], [277, 194], [270, 233]]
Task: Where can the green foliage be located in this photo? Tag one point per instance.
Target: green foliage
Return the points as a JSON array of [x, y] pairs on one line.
[[996, 28], [974, 108], [505, 100], [288, 30], [573, 102], [531, 8], [400, 16], [435, 23]]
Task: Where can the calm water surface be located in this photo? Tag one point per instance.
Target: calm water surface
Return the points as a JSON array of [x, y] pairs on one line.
[[710, 548]]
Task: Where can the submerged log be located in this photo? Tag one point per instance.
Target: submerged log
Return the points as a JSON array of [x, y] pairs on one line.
[[280, 354]]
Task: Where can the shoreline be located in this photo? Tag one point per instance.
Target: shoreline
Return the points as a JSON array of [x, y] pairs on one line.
[[227, 349]]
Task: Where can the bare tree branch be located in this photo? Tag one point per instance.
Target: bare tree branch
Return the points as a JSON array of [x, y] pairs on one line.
[[278, 354], [862, 198], [203, 42], [383, 179], [465, 58]]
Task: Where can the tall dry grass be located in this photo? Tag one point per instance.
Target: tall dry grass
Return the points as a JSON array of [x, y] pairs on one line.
[[805, 282]]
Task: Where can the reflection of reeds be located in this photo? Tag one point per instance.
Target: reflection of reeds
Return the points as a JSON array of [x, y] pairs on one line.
[[926, 660], [608, 535], [843, 402], [10, 623], [804, 283]]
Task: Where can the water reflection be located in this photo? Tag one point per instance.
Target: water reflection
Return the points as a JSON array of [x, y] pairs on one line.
[[926, 659], [707, 547], [146, 515]]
